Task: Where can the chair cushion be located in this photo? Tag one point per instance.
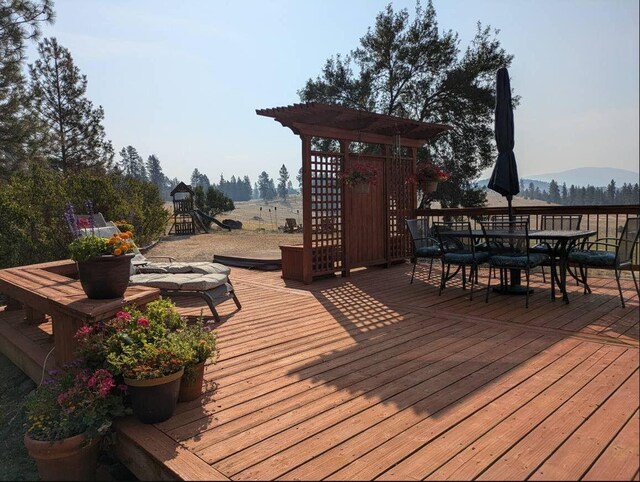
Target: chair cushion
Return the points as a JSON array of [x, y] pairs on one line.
[[605, 259], [428, 252], [518, 260], [180, 282], [465, 257], [540, 248], [200, 267]]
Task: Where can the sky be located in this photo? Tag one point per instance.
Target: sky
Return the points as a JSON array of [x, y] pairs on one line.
[[182, 80]]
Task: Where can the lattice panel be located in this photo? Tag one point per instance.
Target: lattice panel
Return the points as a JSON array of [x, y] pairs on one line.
[[326, 212], [400, 206]]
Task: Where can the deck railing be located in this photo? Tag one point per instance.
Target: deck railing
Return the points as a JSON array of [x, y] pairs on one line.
[[608, 221]]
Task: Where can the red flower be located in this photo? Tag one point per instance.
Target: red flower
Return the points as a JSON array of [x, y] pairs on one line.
[[123, 315], [143, 322]]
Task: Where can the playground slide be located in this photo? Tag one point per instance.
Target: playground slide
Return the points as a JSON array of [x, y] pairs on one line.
[[201, 217]]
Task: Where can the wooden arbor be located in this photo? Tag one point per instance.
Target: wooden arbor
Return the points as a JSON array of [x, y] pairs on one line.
[[342, 228]]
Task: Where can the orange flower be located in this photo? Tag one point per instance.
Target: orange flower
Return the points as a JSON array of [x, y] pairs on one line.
[[117, 251]]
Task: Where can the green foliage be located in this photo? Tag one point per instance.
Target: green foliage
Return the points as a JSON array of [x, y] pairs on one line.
[[410, 68], [217, 202], [32, 203], [19, 22], [73, 402], [71, 135], [87, 247], [199, 340], [135, 344], [282, 183], [266, 187]]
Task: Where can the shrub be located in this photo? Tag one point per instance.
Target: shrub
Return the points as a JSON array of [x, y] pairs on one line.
[[32, 203]]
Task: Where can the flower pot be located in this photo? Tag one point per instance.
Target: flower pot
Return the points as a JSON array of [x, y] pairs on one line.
[[154, 400], [190, 389], [362, 188], [67, 459], [105, 277], [430, 186]]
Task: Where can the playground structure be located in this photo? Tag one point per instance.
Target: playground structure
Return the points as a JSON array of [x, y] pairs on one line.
[[187, 219]]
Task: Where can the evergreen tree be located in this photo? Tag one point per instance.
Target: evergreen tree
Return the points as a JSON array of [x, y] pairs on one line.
[[73, 134], [264, 185], [131, 164], [156, 176], [611, 192], [565, 193], [256, 192], [554, 192], [299, 179], [282, 183], [196, 176], [246, 188], [19, 22], [410, 68], [217, 202]]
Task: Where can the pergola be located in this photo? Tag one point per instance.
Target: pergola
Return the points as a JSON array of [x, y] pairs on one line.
[[346, 228]]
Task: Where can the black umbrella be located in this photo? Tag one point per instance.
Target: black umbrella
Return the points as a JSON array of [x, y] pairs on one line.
[[504, 179]]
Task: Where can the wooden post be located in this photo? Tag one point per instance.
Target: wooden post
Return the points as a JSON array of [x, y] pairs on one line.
[[64, 328], [307, 275], [386, 166], [33, 316], [346, 261]]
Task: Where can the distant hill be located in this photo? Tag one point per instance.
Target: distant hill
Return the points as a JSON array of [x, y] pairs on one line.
[[582, 176], [595, 176], [544, 186]]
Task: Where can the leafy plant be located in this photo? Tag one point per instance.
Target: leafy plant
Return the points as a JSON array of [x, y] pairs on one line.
[[201, 342], [72, 402], [87, 247], [137, 345]]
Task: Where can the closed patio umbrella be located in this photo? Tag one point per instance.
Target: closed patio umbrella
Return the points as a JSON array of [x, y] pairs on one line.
[[504, 179]]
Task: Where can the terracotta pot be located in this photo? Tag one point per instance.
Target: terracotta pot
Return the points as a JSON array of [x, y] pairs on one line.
[[362, 188], [105, 277], [66, 459], [154, 400], [192, 389]]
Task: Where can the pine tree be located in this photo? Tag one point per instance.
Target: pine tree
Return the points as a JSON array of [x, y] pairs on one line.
[[73, 134], [131, 163], [195, 178], [412, 68], [19, 22], [611, 192], [299, 179], [156, 176], [263, 185], [282, 183], [554, 192], [565, 193]]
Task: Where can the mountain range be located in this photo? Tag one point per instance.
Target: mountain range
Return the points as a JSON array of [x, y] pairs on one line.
[[582, 176]]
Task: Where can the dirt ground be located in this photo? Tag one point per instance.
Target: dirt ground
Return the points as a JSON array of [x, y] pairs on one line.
[[260, 236]]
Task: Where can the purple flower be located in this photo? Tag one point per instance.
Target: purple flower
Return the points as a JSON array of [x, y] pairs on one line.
[[70, 218]]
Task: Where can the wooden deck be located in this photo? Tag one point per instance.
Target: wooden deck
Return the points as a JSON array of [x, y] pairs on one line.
[[373, 378]]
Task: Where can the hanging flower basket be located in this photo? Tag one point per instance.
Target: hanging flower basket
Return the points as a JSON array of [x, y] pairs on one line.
[[360, 176]]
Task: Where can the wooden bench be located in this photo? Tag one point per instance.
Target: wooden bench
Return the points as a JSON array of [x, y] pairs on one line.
[[51, 289]]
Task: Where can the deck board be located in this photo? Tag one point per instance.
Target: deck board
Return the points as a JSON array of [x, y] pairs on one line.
[[370, 377]]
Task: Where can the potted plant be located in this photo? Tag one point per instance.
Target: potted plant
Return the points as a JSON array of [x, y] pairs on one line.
[[143, 349], [67, 417], [104, 264], [200, 341], [359, 176]]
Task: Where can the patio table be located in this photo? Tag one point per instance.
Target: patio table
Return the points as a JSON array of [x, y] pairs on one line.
[[563, 240]]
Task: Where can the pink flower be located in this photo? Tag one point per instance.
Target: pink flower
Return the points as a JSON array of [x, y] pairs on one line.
[[123, 315], [83, 332], [143, 322]]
